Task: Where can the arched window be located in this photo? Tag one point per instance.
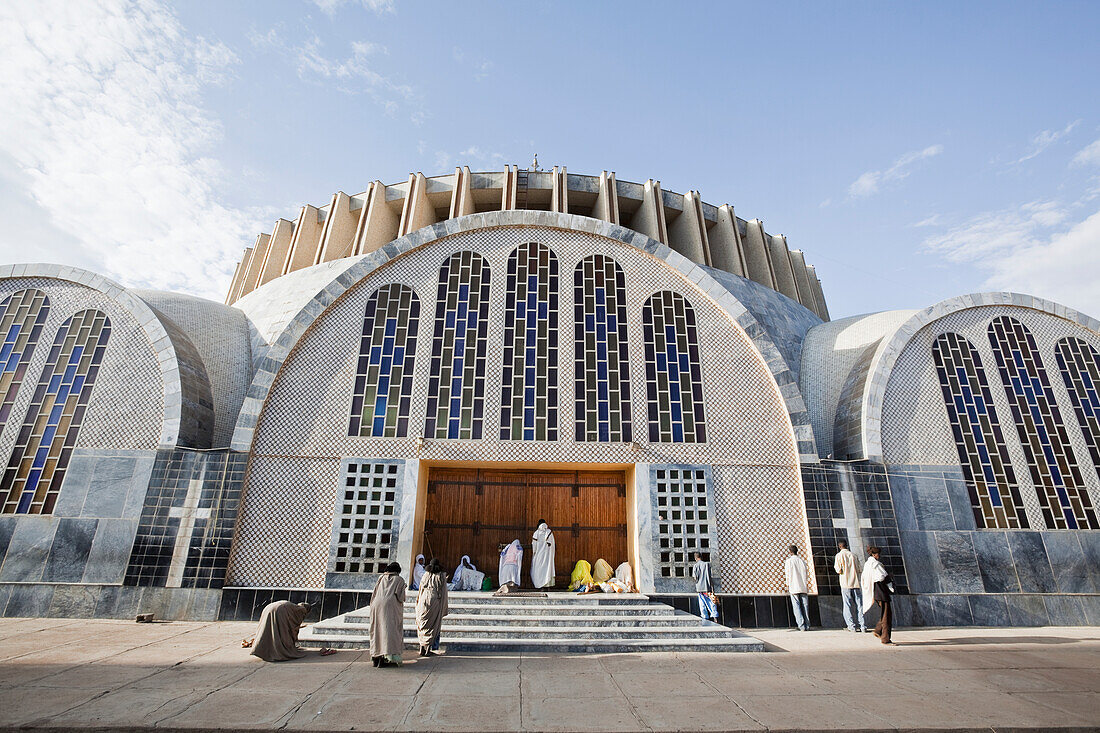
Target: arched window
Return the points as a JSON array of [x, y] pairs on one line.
[[994, 493], [456, 390], [602, 368], [529, 384], [384, 378], [674, 380], [46, 440], [1054, 468], [1080, 367], [22, 315]]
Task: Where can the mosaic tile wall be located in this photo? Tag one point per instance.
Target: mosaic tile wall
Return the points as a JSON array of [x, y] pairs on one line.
[[384, 374], [185, 533], [127, 411], [915, 425], [22, 316], [601, 361], [296, 461], [1080, 367]]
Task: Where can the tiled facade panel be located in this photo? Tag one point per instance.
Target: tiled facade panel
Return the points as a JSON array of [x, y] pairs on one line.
[[602, 362], [916, 429], [994, 494], [674, 385], [456, 388], [387, 361], [529, 387], [1079, 364], [1054, 469], [22, 315], [287, 514], [186, 529], [127, 409], [31, 483]]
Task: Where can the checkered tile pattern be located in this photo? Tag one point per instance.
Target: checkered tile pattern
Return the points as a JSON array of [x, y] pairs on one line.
[[305, 416], [915, 425], [760, 512]]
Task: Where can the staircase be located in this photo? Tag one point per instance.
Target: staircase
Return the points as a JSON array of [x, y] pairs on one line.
[[559, 622]]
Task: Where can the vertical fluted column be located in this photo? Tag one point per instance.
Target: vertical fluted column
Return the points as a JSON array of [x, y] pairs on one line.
[[278, 249], [559, 191], [725, 242], [338, 237], [781, 266], [252, 275], [462, 198], [307, 237], [756, 254], [802, 279], [688, 233], [378, 223], [417, 212], [819, 294], [649, 219], [606, 207]]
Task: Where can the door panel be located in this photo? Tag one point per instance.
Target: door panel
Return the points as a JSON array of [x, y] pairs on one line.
[[474, 511]]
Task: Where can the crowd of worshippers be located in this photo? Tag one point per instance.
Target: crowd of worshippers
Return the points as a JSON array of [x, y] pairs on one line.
[[860, 590]]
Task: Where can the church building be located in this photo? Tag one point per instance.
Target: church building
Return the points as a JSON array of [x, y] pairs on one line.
[[432, 366]]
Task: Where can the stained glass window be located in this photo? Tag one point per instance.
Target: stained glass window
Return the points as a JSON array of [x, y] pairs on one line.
[[529, 386], [1080, 367], [384, 376], [22, 315], [46, 440], [601, 368], [674, 380], [456, 390], [1054, 468], [983, 454]]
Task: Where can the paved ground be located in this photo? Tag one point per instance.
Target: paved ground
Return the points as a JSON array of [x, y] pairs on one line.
[[115, 674]]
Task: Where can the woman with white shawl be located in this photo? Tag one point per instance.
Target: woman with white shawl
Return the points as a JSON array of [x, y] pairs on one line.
[[418, 572], [467, 576], [431, 607], [877, 586], [542, 561], [511, 560], [387, 615]]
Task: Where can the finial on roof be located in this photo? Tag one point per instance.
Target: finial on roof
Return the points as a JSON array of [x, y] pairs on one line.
[[535, 163]]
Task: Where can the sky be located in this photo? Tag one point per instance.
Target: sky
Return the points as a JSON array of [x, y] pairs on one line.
[[914, 152]]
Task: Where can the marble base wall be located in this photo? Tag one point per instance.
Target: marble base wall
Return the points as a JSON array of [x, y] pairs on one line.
[[979, 609], [65, 600]]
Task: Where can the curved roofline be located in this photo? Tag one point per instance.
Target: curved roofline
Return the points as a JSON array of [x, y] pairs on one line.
[[782, 377], [890, 349], [147, 318]]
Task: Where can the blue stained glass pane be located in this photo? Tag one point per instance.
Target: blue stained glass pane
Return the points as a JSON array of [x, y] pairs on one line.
[[5, 352]]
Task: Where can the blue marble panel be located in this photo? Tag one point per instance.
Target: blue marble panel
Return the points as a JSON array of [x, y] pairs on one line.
[[69, 553], [108, 488], [118, 601], [989, 610], [1026, 610], [29, 600], [110, 551], [7, 527], [995, 562], [931, 504], [958, 565], [28, 549], [1091, 607], [1090, 546], [74, 601], [74, 486], [922, 565], [1029, 555], [901, 491], [959, 497], [1067, 560], [922, 611], [952, 610], [1064, 610]]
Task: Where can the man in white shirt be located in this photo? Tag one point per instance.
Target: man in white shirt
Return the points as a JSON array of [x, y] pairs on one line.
[[846, 565], [798, 586]]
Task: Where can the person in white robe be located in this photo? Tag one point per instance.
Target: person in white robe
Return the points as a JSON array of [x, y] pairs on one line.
[[798, 585], [418, 572], [431, 607], [387, 613], [625, 575], [704, 588], [542, 561], [878, 587], [511, 561], [467, 576]]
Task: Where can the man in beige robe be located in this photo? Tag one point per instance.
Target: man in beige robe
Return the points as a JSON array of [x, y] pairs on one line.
[[387, 611], [431, 607], [277, 634]]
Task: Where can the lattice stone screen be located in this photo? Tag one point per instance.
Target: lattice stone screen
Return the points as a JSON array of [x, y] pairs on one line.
[[683, 520], [366, 520]]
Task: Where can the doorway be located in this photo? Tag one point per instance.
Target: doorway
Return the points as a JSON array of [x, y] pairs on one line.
[[473, 511]]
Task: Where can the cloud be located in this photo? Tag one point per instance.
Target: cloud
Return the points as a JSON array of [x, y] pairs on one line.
[[1037, 248], [330, 7], [929, 221], [1089, 155], [871, 182], [1044, 140], [105, 136]]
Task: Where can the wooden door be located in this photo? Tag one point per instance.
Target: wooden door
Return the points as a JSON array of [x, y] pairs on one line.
[[475, 511]]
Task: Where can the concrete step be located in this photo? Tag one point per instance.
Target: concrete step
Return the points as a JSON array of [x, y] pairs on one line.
[[503, 619], [737, 643], [569, 625]]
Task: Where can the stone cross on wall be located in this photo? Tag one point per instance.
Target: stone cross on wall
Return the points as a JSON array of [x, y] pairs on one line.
[[187, 514], [852, 523]]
